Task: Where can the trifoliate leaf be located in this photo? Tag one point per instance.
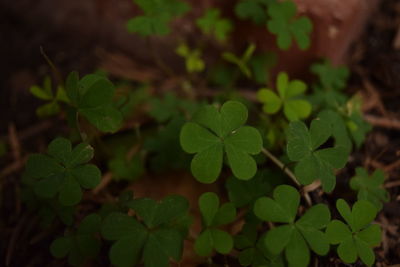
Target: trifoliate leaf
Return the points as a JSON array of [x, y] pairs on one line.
[[370, 187], [157, 15], [284, 24], [213, 216], [253, 9], [80, 245], [288, 97], [211, 23], [331, 78], [92, 97], [157, 242], [314, 163], [295, 237], [212, 132], [193, 60], [64, 173], [357, 238]]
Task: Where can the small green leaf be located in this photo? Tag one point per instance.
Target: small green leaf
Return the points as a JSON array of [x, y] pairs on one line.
[[209, 206], [282, 208], [347, 250], [289, 96], [212, 24], [212, 132], [204, 243], [223, 242], [278, 238], [60, 247], [286, 26], [297, 252], [365, 252], [337, 232], [370, 187]]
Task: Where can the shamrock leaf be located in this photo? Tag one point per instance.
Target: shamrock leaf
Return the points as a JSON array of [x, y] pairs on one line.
[[46, 93], [193, 60], [370, 187], [157, 15], [284, 24], [92, 98], [331, 78], [295, 237], [159, 239], [213, 216], [253, 9], [80, 245], [357, 237], [212, 132], [212, 24], [63, 171], [314, 163], [288, 97]]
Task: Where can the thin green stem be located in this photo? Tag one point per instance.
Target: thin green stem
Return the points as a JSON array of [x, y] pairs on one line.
[[288, 172], [281, 165], [78, 127]]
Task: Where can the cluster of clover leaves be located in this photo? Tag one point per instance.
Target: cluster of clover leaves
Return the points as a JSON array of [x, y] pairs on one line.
[[143, 231]]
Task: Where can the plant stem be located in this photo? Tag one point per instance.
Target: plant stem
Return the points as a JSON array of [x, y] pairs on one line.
[[288, 172], [281, 165]]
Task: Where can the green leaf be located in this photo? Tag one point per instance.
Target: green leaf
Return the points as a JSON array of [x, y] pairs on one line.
[[317, 216], [297, 252], [157, 15], [334, 78], [211, 23], [362, 237], [60, 247], [79, 245], [370, 187], [252, 9], [278, 238], [226, 214], [347, 250], [371, 235], [289, 94], [282, 208], [337, 232], [204, 243], [209, 206], [365, 252], [212, 132], [283, 23], [313, 163], [64, 173], [223, 242], [127, 251]]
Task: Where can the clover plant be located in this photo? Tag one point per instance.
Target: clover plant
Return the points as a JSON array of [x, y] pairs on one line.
[[46, 93], [81, 244], [370, 187], [288, 98], [92, 97], [357, 237], [193, 61], [261, 222], [286, 26], [256, 10], [314, 163], [63, 171], [156, 17], [295, 237], [212, 24], [213, 132], [214, 216], [156, 239]]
